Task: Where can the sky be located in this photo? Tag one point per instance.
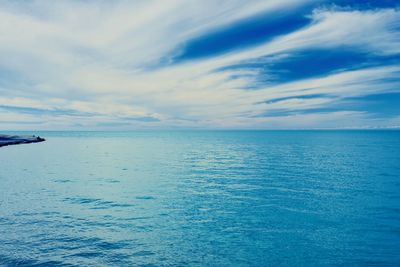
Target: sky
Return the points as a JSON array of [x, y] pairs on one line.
[[206, 64]]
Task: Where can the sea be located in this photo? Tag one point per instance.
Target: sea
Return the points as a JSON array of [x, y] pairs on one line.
[[202, 198]]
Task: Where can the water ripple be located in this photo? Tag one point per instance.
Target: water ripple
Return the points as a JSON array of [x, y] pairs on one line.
[[219, 198]]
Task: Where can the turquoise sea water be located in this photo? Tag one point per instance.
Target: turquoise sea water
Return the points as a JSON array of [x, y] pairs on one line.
[[222, 198]]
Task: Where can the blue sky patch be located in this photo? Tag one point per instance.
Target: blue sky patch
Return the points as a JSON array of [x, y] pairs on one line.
[[377, 105], [310, 63], [242, 34], [366, 4], [276, 100], [386, 104]]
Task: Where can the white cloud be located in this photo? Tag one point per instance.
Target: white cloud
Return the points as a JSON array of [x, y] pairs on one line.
[[98, 57]]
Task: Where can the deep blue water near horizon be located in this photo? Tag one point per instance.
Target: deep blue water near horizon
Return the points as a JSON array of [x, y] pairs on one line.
[[202, 198]]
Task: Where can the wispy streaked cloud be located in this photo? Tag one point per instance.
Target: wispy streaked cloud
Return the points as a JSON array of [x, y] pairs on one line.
[[199, 64]]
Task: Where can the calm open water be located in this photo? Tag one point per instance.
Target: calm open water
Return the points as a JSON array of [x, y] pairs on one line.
[[222, 198]]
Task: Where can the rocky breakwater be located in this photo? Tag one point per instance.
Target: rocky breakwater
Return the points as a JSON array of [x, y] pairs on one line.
[[6, 140]]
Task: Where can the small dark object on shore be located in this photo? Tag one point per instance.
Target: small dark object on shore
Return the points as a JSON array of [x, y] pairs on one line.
[[6, 140]]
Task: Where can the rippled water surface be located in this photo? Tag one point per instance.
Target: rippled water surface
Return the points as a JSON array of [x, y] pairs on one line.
[[244, 198]]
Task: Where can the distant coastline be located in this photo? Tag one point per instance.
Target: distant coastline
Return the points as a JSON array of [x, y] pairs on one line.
[[6, 140]]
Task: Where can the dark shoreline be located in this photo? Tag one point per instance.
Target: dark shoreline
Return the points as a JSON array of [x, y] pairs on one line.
[[6, 140]]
